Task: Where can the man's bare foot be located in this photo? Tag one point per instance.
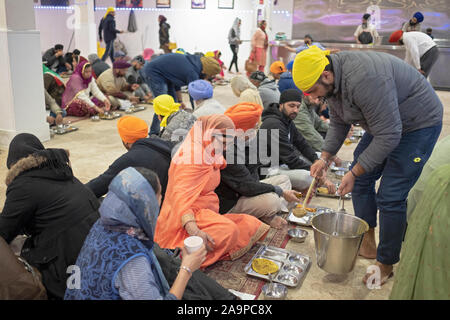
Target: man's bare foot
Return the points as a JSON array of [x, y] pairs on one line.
[[368, 248], [385, 273], [278, 222], [51, 120]]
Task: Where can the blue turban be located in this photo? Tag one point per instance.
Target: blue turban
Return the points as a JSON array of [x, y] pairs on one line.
[[418, 16], [200, 89], [290, 65]]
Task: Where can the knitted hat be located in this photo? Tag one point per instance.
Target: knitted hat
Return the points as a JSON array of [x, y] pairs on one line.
[[290, 95]]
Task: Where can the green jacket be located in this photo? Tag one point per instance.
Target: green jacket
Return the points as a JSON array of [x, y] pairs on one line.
[[310, 125]]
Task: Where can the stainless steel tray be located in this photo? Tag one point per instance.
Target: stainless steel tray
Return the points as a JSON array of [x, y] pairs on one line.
[[292, 265], [63, 129], [135, 109], [306, 220], [110, 116], [345, 166], [348, 196]]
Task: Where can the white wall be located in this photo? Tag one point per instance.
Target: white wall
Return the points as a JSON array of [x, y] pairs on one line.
[[192, 29]]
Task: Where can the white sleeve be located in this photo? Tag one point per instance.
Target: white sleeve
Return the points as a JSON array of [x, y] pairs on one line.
[[95, 90], [358, 31], [374, 33], [412, 52], [84, 96]]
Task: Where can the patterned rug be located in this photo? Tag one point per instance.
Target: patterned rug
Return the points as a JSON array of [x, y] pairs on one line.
[[231, 275]]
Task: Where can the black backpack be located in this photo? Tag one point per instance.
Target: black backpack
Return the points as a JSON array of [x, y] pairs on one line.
[[365, 37]]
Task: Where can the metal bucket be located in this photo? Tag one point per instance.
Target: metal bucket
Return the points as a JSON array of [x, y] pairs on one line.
[[336, 252]]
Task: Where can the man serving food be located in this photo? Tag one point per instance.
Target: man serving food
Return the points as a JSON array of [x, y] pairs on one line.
[[402, 116]]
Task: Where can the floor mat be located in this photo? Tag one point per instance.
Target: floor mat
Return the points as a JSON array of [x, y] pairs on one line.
[[231, 275]]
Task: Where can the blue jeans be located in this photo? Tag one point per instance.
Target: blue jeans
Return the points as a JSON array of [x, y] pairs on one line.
[[158, 86], [398, 173], [109, 51]]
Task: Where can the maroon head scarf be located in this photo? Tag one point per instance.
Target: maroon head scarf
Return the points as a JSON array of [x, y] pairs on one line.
[[76, 83]]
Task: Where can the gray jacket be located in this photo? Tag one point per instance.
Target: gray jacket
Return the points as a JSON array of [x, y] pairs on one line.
[[268, 90], [385, 95], [310, 125]]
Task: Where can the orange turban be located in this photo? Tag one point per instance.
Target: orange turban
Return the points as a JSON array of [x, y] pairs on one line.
[[245, 115], [132, 129]]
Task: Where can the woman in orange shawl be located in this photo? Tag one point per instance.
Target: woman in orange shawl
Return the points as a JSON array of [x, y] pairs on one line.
[[191, 206]]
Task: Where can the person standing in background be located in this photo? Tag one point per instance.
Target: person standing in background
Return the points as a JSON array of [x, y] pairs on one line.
[[421, 51], [164, 34], [429, 32], [108, 26], [414, 24], [234, 39], [365, 33], [260, 43]]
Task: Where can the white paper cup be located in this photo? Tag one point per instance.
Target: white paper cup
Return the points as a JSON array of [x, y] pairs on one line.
[[193, 243]]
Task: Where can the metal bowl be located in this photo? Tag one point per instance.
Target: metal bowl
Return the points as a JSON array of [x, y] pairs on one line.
[[289, 268], [288, 278], [298, 259], [274, 291], [95, 118], [297, 234], [129, 110]]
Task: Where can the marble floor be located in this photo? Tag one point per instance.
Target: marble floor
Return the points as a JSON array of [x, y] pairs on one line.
[[97, 144]]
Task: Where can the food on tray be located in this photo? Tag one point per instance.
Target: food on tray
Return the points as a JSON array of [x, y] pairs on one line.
[[264, 266], [307, 209], [322, 190]]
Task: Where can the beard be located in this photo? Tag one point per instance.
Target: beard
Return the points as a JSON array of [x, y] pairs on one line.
[[329, 88], [412, 23]]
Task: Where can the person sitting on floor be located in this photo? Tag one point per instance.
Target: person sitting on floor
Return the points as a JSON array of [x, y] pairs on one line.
[[53, 90], [267, 88], [77, 100], [191, 206], [202, 93], [117, 261], [175, 122], [295, 154], [98, 65], [151, 153], [45, 201], [245, 90], [309, 124], [113, 84], [277, 68], [147, 54], [240, 189], [133, 76], [53, 58], [286, 81]]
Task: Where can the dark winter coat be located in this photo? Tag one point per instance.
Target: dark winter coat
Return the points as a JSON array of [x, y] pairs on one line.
[[239, 179], [55, 211], [151, 153], [108, 26], [291, 142]]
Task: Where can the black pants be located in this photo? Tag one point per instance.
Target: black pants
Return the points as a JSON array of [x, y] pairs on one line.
[[428, 59], [109, 51], [234, 49]]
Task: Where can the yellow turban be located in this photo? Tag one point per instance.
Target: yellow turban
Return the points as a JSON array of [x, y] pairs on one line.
[[164, 106], [109, 10], [209, 54], [308, 66], [132, 129]]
